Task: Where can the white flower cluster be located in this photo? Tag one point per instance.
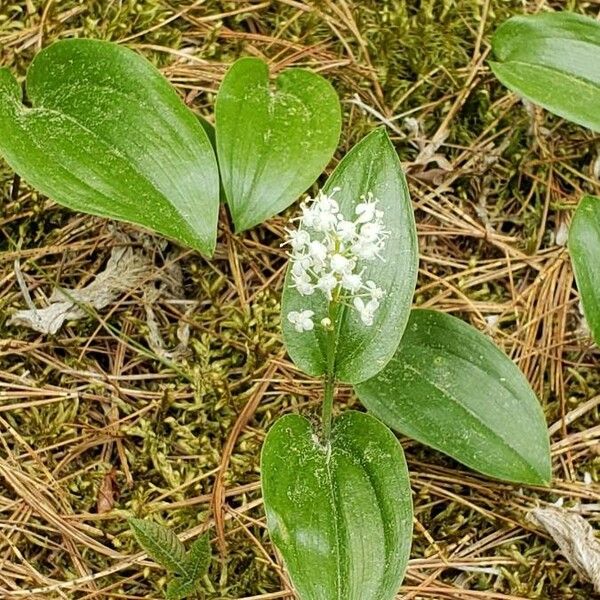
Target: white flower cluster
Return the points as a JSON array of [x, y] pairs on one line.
[[325, 254]]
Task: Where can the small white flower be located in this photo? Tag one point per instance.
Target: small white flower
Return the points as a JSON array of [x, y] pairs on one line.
[[326, 222], [346, 230], [328, 252], [352, 282], [340, 264], [328, 204], [366, 250], [366, 210], [327, 283], [375, 292], [300, 265], [324, 213], [317, 251], [304, 285], [302, 320], [371, 232], [366, 311], [298, 239], [309, 214]]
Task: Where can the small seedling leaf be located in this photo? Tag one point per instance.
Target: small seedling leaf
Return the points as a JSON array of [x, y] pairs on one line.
[[198, 558], [161, 544], [179, 588]]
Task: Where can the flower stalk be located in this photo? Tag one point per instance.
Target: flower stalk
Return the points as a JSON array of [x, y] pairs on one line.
[[327, 408], [330, 253]]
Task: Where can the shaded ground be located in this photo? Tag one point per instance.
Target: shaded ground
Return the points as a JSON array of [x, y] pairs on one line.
[[99, 421]]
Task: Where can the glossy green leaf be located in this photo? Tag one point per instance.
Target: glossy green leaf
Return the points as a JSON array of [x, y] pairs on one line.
[[450, 387], [341, 517], [273, 141], [552, 59], [209, 130], [358, 352], [584, 247], [161, 544], [108, 135]]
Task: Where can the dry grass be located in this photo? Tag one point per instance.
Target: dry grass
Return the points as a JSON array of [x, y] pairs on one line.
[[99, 421]]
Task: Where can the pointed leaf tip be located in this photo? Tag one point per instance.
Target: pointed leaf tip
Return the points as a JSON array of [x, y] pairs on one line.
[[449, 387]]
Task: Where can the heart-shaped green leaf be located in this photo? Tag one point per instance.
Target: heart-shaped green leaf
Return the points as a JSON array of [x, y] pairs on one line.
[[584, 247], [357, 351], [552, 59], [108, 135], [272, 143], [341, 516], [450, 387]]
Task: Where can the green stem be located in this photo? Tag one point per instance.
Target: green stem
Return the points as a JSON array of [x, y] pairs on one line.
[[328, 406], [329, 391]]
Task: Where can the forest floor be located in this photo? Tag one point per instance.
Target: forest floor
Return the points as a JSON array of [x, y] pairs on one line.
[[158, 404]]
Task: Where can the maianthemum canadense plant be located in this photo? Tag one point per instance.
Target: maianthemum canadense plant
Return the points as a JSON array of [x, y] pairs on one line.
[[553, 59], [104, 133]]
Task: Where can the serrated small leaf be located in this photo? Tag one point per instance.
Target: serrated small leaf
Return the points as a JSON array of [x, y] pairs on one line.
[[108, 135], [340, 516], [448, 386], [180, 587], [161, 544], [197, 560], [359, 351], [552, 59], [272, 141], [584, 248]]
